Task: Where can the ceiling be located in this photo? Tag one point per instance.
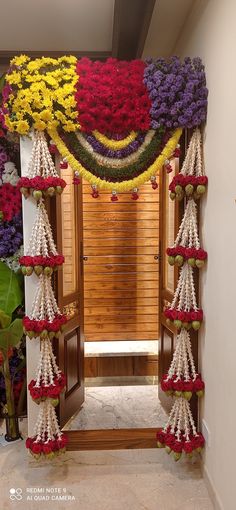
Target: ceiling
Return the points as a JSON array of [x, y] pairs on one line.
[[122, 28], [67, 25]]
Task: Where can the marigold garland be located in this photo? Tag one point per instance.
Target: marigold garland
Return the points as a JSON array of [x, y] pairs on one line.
[[115, 144], [118, 186], [124, 171]]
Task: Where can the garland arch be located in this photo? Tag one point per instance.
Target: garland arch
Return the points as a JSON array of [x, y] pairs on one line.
[[117, 124]]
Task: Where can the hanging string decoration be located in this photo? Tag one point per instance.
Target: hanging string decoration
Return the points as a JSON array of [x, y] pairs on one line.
[[45, 321], [180, 434], [182, 380], [41, 255], [191, 181], [187, 245], [45, 318], [42, 179], [183, 311]]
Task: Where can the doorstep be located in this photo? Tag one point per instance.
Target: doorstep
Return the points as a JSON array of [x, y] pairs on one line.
[[121, 348]]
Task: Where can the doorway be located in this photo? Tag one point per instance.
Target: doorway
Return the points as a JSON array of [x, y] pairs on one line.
[[113, 259]]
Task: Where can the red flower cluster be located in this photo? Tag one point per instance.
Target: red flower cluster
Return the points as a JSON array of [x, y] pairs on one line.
[[39, 260], [180, 385], [184, 180], [187, 253], [111, 96], [181, 318], [52, 391], [169, 439], [43, 326], [10, 201], [38, 183], [52, 446]]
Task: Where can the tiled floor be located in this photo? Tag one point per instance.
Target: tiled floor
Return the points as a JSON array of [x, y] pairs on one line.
[[110, 480], [118, 407]]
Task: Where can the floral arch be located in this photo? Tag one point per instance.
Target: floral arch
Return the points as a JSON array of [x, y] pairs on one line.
[[117, 124]]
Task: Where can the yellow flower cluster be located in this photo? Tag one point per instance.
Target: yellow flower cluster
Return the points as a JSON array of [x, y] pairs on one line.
[[42, 94], [153, 169], [115, 144]]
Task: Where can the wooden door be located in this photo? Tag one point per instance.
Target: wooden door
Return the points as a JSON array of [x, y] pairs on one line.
[[169, 224], [70, 348], [121, 266]]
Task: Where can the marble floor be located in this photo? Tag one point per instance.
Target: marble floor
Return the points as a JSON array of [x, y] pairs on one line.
[[101, 480], [116, 407]]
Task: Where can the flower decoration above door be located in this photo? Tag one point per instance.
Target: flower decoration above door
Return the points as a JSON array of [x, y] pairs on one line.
[[116, 123]]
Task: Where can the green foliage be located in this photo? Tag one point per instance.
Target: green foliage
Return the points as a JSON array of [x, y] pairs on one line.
[[11, 291], [11, 336], [2, 81], [5, 320]]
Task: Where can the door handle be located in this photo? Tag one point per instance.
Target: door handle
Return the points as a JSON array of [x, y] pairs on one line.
[[85, 258], [157, 257]]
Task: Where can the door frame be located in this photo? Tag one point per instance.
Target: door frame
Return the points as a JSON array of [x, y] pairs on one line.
[[135, 438], [114, 439]]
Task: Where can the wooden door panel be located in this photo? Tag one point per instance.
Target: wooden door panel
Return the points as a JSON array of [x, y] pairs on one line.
[[124, 335], [70, 296], [124, 278], [132, 207], [121, 242], [129, 319], [130, 284]]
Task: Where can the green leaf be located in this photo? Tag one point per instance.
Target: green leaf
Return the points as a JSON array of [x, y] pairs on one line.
[[5, 320], [11, 291], [2, 81], [11, 336]]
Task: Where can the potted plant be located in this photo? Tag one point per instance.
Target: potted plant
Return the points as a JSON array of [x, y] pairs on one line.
[[11, 331]]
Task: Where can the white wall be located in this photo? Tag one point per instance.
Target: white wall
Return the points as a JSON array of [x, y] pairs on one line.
[[211, 33]]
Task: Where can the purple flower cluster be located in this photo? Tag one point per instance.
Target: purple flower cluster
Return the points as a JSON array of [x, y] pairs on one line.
[[119, 154], [178, 92], [10, 236]]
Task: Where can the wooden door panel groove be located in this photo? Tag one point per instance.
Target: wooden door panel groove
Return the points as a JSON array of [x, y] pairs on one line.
[[152, 276], [121, 275]]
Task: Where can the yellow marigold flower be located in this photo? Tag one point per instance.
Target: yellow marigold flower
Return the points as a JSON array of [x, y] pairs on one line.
[[40, 125], [46, 115], [14, 78], [69, 126], [19, 61], [22, 127], [50, 80], [60, 116]]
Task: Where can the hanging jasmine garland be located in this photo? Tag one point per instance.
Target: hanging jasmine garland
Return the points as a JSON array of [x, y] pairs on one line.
[[117, 124], [180, 434]]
